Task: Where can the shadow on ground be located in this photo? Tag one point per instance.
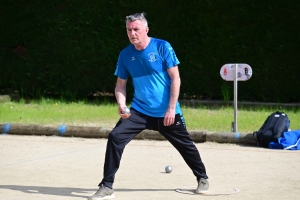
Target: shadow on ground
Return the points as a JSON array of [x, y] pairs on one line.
[[69, 192]]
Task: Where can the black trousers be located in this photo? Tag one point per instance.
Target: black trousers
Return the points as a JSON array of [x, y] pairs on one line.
[[126, 129]]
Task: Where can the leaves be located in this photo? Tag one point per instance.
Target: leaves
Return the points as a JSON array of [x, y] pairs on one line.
[[72, 46]]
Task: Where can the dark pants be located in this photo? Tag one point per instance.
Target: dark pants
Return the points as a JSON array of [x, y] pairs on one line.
[[127, 129]]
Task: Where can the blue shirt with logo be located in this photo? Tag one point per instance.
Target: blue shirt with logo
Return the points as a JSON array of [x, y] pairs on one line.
[[151, 81]]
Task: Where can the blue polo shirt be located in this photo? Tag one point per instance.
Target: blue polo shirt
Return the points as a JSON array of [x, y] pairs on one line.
[[151, 81]]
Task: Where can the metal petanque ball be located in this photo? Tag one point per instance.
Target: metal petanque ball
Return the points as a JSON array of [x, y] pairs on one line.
[[126, 111], [168, 169]]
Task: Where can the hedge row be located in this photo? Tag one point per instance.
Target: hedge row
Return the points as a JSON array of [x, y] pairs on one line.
[[69, 48]]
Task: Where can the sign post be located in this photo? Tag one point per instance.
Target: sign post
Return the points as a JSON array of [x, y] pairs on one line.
[[236, 72]]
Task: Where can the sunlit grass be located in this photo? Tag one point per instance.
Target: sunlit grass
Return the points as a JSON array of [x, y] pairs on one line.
[[58, 113], [53, 112], [220, 120]]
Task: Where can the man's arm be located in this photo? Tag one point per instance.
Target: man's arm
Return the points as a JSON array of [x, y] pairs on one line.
[[120, 93], [174, 94]]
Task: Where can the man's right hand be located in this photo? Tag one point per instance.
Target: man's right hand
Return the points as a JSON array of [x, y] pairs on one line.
[[122, 112]]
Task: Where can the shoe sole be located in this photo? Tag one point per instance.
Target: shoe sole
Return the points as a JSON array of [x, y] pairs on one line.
[[102, 198], [201, 192]]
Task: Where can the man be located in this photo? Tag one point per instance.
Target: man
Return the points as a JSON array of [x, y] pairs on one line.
[[152, 64]]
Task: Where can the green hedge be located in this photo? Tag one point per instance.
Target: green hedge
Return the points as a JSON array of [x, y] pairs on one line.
[[69, 48]]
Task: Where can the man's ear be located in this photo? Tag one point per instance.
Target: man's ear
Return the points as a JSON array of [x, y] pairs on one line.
[[147, 29]]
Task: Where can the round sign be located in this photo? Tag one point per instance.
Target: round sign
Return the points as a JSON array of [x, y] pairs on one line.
[[244, 72]]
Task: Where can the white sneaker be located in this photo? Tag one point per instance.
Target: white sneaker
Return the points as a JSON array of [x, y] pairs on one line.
[[203, 186], [103, 193]]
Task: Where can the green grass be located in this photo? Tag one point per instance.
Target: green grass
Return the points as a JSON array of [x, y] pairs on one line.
[[220, 119], [58, 113], [51, 112]]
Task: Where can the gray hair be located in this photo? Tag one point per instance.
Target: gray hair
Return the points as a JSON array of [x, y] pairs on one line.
[[137, 16]]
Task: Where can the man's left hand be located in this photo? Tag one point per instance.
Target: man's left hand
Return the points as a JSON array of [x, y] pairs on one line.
[[169, 117]]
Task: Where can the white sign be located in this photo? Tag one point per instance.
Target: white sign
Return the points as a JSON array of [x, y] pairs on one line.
[[236, 72], [244, 72]]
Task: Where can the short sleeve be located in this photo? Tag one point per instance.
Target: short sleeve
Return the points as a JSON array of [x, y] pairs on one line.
[[170, 57], [121, 70]]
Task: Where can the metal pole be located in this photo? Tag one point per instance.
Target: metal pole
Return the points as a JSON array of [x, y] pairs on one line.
[[235, 98]]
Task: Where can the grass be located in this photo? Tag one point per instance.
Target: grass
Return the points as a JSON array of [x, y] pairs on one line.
[[52, 112], [220, 119]]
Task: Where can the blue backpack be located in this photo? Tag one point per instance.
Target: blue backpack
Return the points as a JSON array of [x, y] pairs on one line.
[[272, 129]]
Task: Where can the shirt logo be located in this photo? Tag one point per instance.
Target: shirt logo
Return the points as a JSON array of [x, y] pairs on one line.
[[132, 58], [152, 57]]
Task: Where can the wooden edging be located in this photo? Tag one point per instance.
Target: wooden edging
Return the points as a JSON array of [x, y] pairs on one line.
[[102, 132]]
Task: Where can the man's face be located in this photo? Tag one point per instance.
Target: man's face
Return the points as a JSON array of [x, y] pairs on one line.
[[137, 32]]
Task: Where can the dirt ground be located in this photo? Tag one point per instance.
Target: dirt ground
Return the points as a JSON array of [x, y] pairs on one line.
[[65, 168]]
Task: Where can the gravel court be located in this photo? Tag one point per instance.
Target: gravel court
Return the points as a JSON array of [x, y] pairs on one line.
[[52, 167]]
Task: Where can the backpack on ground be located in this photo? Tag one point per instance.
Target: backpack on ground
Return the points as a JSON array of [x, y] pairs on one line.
[[272, 129]]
